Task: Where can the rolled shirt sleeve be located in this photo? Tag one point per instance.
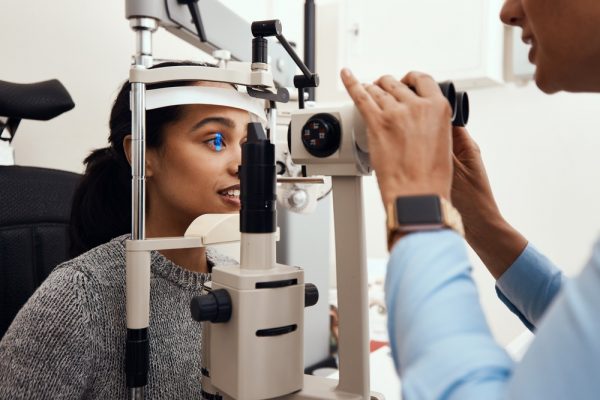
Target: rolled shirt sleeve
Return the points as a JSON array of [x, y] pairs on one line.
[[529, 286]]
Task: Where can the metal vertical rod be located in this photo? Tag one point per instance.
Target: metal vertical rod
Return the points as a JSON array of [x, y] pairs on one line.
[[143, 27], [310, 23], [138, 161], [351, 262], [137, 354]]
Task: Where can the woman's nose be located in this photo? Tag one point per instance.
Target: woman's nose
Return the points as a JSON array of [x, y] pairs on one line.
[[512, 13], [235, 161]]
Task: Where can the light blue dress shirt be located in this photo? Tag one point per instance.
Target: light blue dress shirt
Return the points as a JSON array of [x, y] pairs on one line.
[[441, 343]]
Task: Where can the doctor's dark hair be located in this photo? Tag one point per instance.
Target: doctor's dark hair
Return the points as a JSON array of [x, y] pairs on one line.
[[102, 202]]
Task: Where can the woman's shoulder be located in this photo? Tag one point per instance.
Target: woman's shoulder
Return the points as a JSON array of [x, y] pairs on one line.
[[98, 264]]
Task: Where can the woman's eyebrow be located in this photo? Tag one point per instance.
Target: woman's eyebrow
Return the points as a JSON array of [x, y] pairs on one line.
[[227, 122]]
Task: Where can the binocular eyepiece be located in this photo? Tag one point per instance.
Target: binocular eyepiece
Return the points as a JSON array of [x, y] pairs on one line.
[[459, 101], [320, 130]]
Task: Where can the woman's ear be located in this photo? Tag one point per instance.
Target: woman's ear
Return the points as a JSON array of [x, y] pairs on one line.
[[150, 155], [127, 148]]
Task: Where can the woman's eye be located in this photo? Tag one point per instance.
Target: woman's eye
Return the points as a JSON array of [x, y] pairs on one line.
[[217, 143]]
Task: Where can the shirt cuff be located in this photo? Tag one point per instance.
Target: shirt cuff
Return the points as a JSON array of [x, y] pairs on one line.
[[529, 286]]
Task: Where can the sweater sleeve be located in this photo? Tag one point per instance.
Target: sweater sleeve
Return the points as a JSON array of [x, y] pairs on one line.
[[48, 350]]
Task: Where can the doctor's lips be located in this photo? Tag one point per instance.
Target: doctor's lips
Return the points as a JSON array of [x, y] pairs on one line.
[[528, 40]]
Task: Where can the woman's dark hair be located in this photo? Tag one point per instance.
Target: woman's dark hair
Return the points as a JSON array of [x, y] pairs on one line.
[[102, 202]]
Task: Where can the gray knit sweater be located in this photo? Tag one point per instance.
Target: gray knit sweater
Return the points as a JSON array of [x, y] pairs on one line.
[[68, 341]]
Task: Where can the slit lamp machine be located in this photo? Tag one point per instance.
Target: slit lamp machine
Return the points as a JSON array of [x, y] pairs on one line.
[[252, 314]]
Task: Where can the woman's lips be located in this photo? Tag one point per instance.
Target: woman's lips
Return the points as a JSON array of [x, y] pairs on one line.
[[231, 196], [230, 200]]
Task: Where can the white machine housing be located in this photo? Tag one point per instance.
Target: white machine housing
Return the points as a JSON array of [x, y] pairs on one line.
[[352, 157], [249, 366]]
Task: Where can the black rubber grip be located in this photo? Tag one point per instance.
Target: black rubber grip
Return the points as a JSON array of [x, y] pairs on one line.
[[137, 357]]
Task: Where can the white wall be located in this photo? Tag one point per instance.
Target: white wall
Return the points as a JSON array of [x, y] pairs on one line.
[[541, 151]]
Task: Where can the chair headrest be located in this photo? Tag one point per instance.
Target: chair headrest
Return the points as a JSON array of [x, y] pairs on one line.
[[39, 101], [32, 195]]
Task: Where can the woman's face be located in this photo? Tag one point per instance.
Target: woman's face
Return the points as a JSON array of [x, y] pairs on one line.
[[194, 172], [564, 38]]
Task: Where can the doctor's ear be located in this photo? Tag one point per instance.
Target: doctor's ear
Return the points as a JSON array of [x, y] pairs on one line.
[[150, 155]]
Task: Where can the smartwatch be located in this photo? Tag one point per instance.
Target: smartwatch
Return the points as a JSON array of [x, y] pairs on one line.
[[421, 213]]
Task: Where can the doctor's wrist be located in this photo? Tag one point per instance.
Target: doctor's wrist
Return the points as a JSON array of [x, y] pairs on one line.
[[497, 243], [390, 192]]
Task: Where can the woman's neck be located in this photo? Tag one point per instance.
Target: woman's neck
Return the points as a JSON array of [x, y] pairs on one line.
[[190, 259], [193, 259]]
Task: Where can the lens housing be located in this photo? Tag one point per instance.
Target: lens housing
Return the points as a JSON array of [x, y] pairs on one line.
[[461, 116], [321, 135]]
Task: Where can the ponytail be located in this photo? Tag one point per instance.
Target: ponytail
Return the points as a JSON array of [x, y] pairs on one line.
[[102, 201]]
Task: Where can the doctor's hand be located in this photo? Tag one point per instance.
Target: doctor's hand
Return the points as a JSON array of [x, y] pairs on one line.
[[471, 190], [409, 134], [494, 240]]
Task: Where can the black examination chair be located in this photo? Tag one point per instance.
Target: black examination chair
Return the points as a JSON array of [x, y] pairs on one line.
[[35, 203]]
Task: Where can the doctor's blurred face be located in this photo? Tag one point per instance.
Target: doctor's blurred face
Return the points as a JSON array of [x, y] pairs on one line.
[[564, 38]]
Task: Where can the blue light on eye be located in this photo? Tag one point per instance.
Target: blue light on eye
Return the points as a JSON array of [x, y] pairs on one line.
[[218, 141]]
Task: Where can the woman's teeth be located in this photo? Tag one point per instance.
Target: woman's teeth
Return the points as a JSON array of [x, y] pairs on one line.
[[232, 193]]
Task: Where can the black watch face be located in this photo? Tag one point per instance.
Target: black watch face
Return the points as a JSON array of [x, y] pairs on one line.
[[418, 210]]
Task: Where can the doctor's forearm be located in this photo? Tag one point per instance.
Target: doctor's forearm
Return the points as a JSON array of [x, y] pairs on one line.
[[495, 241]]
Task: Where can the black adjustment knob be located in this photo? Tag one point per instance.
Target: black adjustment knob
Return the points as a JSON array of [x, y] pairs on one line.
[[214, 306], [301, 81], [267, 28], [311, 295]]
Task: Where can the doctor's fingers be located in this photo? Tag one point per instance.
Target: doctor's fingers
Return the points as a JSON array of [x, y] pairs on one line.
[[399, 90], [384, 100], [362, 99], [424, 84]]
